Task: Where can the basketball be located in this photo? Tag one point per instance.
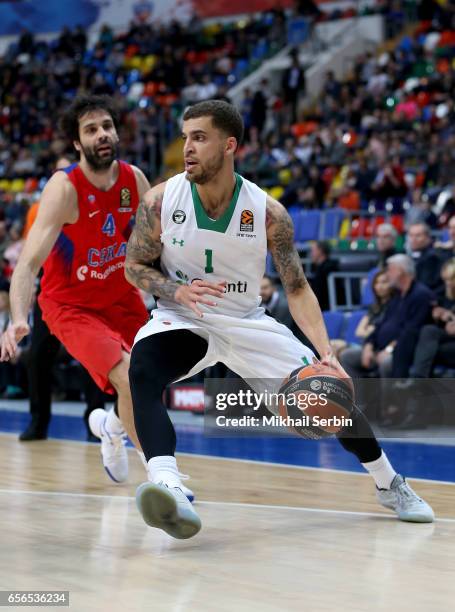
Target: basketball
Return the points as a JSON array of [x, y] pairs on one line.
[[316, 402]]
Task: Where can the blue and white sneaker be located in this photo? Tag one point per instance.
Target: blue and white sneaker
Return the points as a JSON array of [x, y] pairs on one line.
[[188, 492], [406, 503], [167, 508], [113, 450]]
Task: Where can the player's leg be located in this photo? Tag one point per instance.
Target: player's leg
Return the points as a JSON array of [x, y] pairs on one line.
[[118, 377], [392, 490], [252, 347], [90, 340], [156, 361], [94, 398]]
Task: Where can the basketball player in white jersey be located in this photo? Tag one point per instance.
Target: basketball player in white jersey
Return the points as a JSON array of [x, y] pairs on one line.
[[211, 229]]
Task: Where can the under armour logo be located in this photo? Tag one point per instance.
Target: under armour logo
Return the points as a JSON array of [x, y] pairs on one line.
[[179, 242]]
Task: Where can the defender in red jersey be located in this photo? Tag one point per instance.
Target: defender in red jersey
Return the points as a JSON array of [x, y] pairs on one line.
[[80, 234]]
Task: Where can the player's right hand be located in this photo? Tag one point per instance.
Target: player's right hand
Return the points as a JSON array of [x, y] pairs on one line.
[[191, 295], [11, 338]]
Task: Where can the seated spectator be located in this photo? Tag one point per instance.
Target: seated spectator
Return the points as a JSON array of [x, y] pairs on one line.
[[275, 302], [446, 250], [389, 181], [408, 309], [427, 261], [386, 236], [321, 267], [419, 351], [382, 291], [420, 210], [364, 178], [448, 210], [436, 343]]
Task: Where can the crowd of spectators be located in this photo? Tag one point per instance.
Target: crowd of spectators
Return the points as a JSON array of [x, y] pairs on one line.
[[385, 134]]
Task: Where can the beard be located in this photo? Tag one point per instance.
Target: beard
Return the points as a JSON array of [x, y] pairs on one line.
[[97, 162], [207, 172]]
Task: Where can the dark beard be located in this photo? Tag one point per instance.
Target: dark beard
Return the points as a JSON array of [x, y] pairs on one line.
[[208, 172], [97, 163]]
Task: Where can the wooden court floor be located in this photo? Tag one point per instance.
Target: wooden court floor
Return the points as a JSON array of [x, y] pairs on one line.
[[274, 538]]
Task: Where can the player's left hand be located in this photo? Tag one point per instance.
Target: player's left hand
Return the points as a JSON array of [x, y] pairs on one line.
[[11, 337], [329, 359]]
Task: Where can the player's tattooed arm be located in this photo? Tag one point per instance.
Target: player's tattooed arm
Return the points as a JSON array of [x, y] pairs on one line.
[[144, 247], [280, 239], [302, 302]]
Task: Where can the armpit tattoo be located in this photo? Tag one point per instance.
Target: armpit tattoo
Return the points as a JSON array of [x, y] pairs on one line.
[[144, 249], [285, 256]]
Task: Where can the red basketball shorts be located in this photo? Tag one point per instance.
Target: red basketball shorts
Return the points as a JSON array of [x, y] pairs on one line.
[[96, 338]]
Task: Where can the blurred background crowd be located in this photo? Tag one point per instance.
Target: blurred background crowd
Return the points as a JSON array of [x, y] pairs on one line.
[[366, 168]]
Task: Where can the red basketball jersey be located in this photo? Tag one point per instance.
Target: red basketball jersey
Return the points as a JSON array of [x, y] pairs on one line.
[[86, 266]]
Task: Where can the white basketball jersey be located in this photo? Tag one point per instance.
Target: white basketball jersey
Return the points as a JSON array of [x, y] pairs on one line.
[[232, 248]]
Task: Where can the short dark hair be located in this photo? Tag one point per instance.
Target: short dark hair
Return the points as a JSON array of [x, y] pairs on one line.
[[69, 123], [225, 116], [324, 246], [425, 226], [270, 279]]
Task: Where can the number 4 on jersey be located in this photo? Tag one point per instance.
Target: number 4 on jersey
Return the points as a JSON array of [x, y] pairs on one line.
[[109, 225]]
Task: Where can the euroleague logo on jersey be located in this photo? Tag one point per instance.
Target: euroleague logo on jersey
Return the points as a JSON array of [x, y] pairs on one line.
[[246, 224], [178, 216], [125, 200], [246, 221]]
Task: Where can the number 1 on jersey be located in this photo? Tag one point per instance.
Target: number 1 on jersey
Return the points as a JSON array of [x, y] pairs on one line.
[[208, 261]]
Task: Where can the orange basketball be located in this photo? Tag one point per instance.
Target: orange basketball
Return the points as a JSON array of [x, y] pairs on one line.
[[316, 402]]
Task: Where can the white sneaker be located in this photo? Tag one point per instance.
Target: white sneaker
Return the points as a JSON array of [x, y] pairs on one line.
[[113, 451], [188, 492], [406, 503], [185, 490], [168, 509]]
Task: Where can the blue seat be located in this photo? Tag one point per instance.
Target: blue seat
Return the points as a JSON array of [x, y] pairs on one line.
[[259, 50], [295, 209], [332, 222], [270, 269], [307, 224], [367, 290], [353, 319], [405, 44], [334, 322]]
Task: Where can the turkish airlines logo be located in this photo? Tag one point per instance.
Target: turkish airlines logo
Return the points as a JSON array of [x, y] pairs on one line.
[[81, 273]]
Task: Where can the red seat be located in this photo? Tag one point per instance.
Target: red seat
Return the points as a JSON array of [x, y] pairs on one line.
[[398, 223]]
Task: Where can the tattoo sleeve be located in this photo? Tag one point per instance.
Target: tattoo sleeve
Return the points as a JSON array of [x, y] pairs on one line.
[[144, 248], [280, 236]]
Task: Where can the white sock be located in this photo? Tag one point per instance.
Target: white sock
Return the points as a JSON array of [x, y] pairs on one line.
[[164, 469], [113, 423], [381, 470]]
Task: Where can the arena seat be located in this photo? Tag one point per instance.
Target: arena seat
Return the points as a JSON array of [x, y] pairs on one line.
[[367, 289], [352, 321], [334, 322], [331, 222], [307, 224]]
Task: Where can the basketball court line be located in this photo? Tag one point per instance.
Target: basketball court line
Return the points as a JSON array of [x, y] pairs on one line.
[[216, 503], [304, 467], [254, 462]]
